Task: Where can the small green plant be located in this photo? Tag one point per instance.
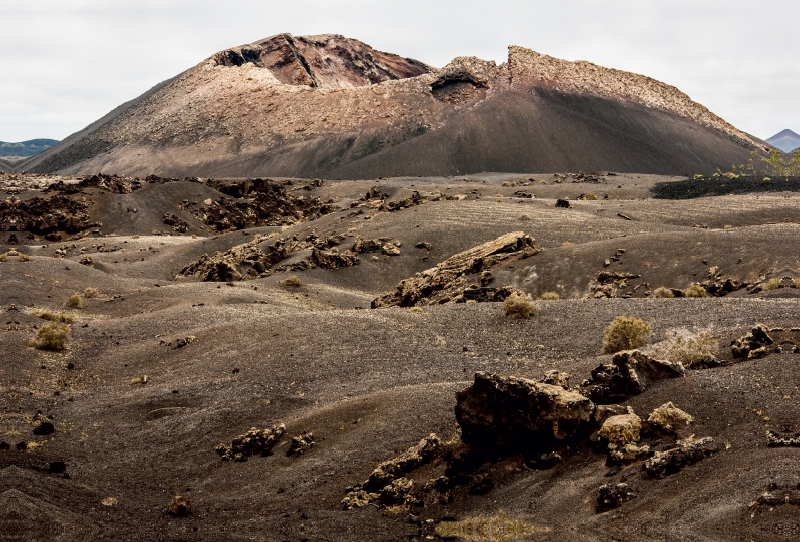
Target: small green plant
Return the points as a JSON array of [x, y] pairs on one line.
[[75, 302], [292, 282], [625, 333], [519, 305], [62, 317], [695, 290], [89, 293], [772, 284], [549, 296], [51, 336], [499, 527], [685, 347], [664, 293]]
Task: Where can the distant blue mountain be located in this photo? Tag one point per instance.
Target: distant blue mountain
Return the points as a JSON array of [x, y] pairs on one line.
[[26, 148], [786, 140]]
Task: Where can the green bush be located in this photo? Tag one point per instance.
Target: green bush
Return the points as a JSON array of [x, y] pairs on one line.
[[519, 305], [772, 284], [51, 336], [664, 293], [695, 290], [293, 281], [625, 333], [89, 293], [62, 317]]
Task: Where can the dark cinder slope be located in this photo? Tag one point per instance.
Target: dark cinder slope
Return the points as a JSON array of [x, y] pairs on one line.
[[329, 106]]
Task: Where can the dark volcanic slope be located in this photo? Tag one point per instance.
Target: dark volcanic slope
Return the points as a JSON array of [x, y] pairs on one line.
[[98, 438], [333, 107]]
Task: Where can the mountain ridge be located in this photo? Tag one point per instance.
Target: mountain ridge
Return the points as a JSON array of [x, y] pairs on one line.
[[332, 106], [30, 147], [786, 140]]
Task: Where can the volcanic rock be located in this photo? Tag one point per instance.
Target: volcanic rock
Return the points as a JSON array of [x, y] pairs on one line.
[[449, 279], [687, 453], [754, 344], [253, 442], [629, 374], [510, 411]]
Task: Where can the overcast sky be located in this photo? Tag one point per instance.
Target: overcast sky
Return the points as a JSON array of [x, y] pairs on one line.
[[65, 63]]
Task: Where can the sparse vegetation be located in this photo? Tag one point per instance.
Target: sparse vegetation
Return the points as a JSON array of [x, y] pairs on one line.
[[664, 293], [549, 296], [695, 290], [144, 379], [519, 305], [3, 257], [292, 282], [64, 318], [51, 336], [89, 293], [686, 347], [499, 528], [75, 302], [625, 333], [567, 244], [589, 196], [772, 284], [24, 257]]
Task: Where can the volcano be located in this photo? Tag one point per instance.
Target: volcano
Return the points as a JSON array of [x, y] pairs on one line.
[[329, 106]]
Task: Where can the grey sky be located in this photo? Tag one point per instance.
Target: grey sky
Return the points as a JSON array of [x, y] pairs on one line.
[[65, 63]]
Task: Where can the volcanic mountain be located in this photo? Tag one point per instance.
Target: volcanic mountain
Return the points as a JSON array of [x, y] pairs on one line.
[[785, 140], [329, 106]]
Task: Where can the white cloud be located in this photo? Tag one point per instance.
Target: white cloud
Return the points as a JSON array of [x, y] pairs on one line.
[[65, 63]]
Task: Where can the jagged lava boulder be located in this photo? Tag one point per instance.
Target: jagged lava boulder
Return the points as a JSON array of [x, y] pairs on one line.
[[509, 411]]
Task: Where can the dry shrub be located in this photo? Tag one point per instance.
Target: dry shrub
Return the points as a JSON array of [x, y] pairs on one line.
[[686, 347], [625, 333], [772, 284], [695, 290], [51, 336], [519, 305], [549, 296], [664, 293], [61, 317], [24, 257], [75, 302], [588, 196], [293, 281], [89, 293], [3, 257]]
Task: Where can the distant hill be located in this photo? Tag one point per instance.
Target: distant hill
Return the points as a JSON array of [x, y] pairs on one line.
[[785, 140], [26, 148]]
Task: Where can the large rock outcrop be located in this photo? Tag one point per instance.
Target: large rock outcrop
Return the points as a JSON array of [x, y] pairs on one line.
[[453, 279], [517, 412]]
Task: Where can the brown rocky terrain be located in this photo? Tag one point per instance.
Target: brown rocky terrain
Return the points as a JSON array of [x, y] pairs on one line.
[[330, 106], [224, 377]]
